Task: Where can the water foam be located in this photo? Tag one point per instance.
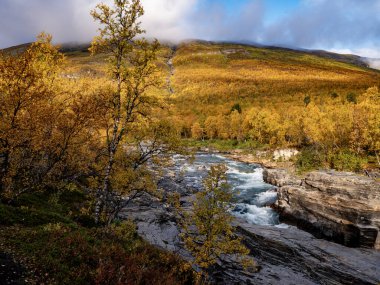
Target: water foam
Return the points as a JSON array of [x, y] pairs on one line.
[[266, 198], [253, 195], [257, 215]]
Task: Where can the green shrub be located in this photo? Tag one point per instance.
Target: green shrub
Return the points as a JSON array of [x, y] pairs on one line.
[[307, 100], [222, 145], [346, 160], [29, 216], [309, 159], [236, 107], [352, 98], [334, 95], [45, 207]]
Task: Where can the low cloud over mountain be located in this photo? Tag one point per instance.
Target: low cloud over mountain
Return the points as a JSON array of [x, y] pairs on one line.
[[341, 25]]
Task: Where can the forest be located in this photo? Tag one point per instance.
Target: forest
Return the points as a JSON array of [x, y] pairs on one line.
[[76, 150], [275, 98], [265, 98]]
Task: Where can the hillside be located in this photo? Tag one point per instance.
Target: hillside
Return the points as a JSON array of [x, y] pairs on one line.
[[241, 72], [284, 97], [222, 74]]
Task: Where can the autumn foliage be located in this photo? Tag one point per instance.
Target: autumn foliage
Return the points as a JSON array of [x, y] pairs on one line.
[[47, 125], [284, 98], [208, 231]]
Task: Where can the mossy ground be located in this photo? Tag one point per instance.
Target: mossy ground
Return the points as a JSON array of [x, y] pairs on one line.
[[58, 245]]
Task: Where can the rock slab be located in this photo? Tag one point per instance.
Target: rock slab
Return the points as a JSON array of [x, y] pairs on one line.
[[339, 206], [287, 256]]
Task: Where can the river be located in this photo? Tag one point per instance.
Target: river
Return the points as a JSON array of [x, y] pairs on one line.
[[252, 195]]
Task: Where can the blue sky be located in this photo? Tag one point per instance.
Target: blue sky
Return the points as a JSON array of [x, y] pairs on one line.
[[275, 9], [347, 26]]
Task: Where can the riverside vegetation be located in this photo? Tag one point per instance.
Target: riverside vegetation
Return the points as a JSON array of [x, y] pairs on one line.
[[75, 150], [82, 135]]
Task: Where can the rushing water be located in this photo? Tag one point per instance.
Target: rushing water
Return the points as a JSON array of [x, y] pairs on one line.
[[252, 194]]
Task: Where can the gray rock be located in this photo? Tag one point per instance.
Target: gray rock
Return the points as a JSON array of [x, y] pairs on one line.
[[296, 257], [284, 255], [280, 177], [339, 206]]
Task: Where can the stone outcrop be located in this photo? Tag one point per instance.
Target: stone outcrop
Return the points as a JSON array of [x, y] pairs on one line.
[[284, 255], [292, 256], [280, 177], [339, 206]]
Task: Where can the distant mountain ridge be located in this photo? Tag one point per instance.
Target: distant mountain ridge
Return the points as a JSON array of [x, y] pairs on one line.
[[346, 58]]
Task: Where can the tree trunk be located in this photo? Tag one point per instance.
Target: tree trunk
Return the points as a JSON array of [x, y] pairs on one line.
[[103, 193], [4, 166]]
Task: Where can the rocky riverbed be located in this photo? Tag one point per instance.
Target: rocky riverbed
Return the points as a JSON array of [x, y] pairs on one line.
[[284, 254]]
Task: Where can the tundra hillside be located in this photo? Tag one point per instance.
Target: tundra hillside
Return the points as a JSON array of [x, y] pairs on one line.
[[233, 95]]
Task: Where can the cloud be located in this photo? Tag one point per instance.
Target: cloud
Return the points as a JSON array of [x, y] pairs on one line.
[[371, 55], [168, 19], [337, 24], [70, 20], [213, 21], [374, 63], [365, 52], [348, 25], [22, 20]]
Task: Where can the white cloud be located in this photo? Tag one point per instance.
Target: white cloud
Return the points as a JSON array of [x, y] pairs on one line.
[[168, 19], [22, 20], [372, 55], [364, 52], [350, 25], [70, 20]]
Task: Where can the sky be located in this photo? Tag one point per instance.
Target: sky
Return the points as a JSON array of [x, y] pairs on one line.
[[345, 26]]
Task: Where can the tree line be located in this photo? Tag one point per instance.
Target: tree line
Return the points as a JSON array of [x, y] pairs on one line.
[[350, 126]]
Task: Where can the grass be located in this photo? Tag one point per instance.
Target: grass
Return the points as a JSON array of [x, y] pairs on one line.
[[211, 81], [222, 145], [209, 78], [43, 233]]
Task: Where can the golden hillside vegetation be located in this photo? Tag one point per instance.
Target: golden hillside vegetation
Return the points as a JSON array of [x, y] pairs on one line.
[[270, 96]]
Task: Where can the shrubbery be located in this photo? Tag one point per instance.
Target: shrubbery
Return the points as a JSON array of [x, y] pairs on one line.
[[309, 159], [61, 251], [342, 160], [346, 160]]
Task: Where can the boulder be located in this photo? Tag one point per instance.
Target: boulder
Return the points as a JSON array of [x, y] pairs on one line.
[[283, 255], [339, 206], [284, 154], [280, 177], [292, 256]]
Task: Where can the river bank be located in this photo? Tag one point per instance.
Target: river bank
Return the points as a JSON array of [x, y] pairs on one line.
[[338, 206], [284, 254]]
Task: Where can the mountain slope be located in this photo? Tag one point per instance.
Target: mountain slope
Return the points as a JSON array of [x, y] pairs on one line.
[[209, 78]]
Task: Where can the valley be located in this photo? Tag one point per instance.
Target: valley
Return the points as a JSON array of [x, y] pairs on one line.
[[133, 161]]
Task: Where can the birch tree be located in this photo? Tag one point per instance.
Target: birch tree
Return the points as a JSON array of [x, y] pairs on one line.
[[133, 72], [208, 232]]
